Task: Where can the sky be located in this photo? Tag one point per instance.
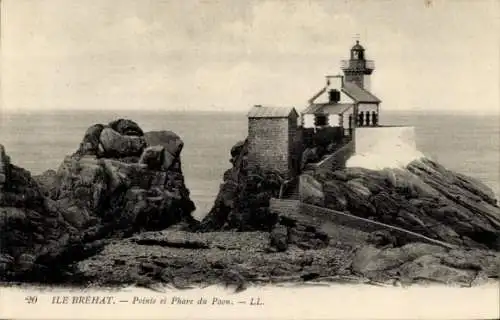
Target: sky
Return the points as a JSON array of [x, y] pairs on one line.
[[432, 55]]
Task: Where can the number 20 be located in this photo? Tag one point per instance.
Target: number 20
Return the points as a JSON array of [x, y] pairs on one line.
[[31, 299]]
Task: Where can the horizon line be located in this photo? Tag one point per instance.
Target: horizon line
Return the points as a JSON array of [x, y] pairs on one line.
[[242, 111]]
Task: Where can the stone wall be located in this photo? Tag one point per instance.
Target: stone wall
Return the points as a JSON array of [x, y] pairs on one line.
[[269, 144], [343, 227], [295, 146], [355, 228], [284, 205], [310, 215]]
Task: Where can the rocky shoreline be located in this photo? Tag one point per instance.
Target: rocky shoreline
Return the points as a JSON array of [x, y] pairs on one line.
[[117, 212]]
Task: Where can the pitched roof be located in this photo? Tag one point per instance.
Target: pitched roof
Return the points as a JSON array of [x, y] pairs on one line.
[[359, 94], [271, 112], [317, 95], [327, 108]]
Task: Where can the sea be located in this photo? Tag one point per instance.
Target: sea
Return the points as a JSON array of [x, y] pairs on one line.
[[39, 140]]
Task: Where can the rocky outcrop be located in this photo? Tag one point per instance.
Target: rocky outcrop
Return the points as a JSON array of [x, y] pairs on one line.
[[171, 145], [426, 264], [122, 139], [30, 230], [4, 166], [425, 198], [129, 183], [243, 199], [114, 185]]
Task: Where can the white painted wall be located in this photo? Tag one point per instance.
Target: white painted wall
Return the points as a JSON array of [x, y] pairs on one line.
[[375, 139], [308, 121], [377, 148], [335, 83], [333, 120]]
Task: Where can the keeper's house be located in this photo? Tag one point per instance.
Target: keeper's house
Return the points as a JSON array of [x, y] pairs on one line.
[[346, 101]]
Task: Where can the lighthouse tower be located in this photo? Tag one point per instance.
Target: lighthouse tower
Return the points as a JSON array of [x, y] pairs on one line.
[[357, 69]]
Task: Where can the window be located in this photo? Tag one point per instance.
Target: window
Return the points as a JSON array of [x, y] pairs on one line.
[[321, 120], [334, 95]]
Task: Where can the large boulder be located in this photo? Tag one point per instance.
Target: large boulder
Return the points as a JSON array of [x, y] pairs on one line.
[[311, 190], [121, 138], [116, 145], [238, 148], [334, 194], [278, 238], [153, 157], [91, 140], [167, 139], [172, 146], [126, 127]]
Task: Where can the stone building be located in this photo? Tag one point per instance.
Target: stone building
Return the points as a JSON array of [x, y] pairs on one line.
[[274, 139]]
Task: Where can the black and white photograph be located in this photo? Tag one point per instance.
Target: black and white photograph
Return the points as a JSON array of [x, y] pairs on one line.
[[176, 146]]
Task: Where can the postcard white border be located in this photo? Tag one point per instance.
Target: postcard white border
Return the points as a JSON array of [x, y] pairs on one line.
[[279, 302]]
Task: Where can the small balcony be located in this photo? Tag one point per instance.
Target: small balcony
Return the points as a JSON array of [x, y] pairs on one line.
[[357, 64]]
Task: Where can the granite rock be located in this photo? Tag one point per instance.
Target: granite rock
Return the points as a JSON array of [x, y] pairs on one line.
[[93, 196]]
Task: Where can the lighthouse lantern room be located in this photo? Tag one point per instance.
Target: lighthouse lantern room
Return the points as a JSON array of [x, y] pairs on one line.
[[357, 69]]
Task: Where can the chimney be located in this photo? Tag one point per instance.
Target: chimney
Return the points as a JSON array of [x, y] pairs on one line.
[[335, 81]]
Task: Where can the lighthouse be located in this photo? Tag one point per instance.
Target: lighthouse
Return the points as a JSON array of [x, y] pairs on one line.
[[357, 69], [346, 101]]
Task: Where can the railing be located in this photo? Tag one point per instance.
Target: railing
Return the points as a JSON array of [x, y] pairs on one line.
[[357, 64], [321, 136], [289, 188], [343, 226], [337, 159], [320, 214]]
